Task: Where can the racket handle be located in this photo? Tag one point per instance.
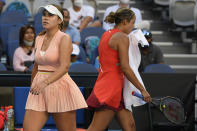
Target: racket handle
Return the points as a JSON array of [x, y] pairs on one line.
[[134, 93]]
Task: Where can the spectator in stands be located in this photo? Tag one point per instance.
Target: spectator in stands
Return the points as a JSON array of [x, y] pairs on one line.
[[75, 54], [24, 54], [70, 30], [2, 3], [82, 16], [107, 95], [139, 23], [52, 91], [151, 54]]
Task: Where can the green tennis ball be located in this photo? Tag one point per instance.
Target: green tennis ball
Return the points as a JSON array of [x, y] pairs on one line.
[[164, 106]]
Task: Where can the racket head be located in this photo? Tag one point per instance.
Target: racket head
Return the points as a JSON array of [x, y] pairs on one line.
[[173, 109]]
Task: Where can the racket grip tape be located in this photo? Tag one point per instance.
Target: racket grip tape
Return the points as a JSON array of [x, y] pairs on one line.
[[134, 93]]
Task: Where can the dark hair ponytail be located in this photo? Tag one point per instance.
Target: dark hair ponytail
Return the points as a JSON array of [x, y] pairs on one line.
[[120, 15], [110, 18]]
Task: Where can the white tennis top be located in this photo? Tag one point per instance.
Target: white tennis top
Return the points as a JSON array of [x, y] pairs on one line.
[[134, 62]]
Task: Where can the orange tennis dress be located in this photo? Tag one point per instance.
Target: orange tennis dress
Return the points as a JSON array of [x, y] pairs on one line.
[[60, 96], [107, 91]]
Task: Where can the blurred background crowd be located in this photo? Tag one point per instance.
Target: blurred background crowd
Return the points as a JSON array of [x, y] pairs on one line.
[[170, 31], [169, 26]]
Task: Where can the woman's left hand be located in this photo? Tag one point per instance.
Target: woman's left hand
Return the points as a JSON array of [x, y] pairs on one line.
[[38, 88]]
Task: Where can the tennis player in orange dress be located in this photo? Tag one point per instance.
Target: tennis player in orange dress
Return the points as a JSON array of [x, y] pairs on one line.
[[106, 97], [52, 90]]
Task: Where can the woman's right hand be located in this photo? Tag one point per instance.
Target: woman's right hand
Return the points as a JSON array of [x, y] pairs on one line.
[[147, 96], [38, 88]]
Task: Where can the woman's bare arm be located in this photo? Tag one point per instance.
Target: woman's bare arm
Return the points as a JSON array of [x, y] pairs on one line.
[[34, 71]]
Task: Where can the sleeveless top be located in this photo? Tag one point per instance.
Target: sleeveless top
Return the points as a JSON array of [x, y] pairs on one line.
[[109, 84], [48, 60]]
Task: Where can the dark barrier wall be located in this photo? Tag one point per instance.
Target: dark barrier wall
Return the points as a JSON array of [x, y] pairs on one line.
[[177, 85], [21, 79], [158, 85]]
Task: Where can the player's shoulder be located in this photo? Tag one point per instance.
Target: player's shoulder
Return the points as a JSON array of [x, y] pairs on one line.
[[119, 36]]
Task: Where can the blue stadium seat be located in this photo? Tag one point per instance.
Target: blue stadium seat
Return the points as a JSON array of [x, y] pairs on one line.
[[158, 68], [13, 41], [12, 45], [4, 33], [94, 55], [38, 23], [82, 55], [8, 19], [80, 113], [82, 67], [18, 6], [91, 31], [38, 18], [2, 67], [90, 37], [13, 17], [13, 33], [20, 97]]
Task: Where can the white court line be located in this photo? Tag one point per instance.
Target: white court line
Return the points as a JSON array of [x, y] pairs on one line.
[[101, 11], [151, 21], [113, 2], [157, 32], [180, 55], [196, 99], [183, 66], [164, 43]]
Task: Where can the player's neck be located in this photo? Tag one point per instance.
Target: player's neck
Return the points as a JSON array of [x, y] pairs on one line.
[[51, 33]]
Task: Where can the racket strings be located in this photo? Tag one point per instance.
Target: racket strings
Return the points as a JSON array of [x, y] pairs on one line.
[[173, 110]]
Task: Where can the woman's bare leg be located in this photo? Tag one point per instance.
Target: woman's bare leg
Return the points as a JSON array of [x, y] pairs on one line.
[[34, 120], [125, 118], [101, 120], [65, 121]]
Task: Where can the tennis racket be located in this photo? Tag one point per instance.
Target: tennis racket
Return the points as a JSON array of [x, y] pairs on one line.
[[171, 107]]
